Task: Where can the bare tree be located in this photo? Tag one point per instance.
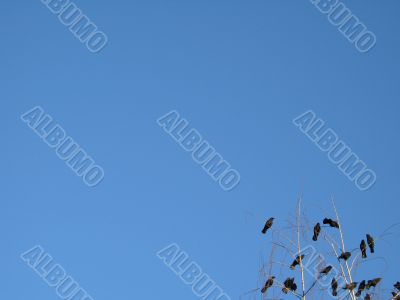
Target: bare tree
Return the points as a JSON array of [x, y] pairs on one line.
[[324, 268]]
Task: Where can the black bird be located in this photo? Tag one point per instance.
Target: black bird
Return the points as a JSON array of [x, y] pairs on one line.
[[367, 297], [350, 286], [268, 284], [296, 261], [331, 223], [326, 270], [317, 231], [361, 287], [363, 248], [268, 225], [371, 243], [373, 283], [345, 255], [334, 286], [397, 285], [289, 284]]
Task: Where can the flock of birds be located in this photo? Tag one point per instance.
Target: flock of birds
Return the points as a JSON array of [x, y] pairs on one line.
[[290, 285]]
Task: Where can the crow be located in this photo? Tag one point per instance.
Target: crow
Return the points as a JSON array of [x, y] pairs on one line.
[[371, 243], [331, 223], [345, 255], [317, 231], [373, 283], [296, 261], [367, 297], [363, 248], [268, 225], [289, 285], [334, 286], [361, 287], [397, 285], [326, 270], [268, 284], [350, 286]]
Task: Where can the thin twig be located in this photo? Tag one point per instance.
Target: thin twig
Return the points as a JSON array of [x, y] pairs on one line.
[[395, 296], [353, 296], [337, 255], [299, 249]]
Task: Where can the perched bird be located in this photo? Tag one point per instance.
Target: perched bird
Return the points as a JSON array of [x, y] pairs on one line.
[[289, 284], [334, 286], [373, 283], [367, 297], [326, 270], [268, 284], [371, 243], [361, 287], [317, 231], [296, 261], [345, 255], [363, 248], [350, 286], [397, 285], [331, 223], [268, 225]]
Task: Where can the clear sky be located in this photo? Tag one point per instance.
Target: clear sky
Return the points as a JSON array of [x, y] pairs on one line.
[[239, 72]]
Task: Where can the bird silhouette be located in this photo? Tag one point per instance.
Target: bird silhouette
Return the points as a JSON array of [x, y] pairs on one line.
[[371, 243], [268, 284], [334, 286], [331, 223], [286, 286], [363, 248], [361, 287], [296, 261], [289, 284], [317, 231], [373, 283], [397, 285], [367, 297], [345, 255], [326, 270], [268, 225]]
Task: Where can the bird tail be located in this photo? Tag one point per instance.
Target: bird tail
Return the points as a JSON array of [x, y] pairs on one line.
[[314, 238], [334, 293], [372, 250]]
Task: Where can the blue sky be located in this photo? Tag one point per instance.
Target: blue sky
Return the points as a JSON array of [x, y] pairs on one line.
[[239, 72]]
